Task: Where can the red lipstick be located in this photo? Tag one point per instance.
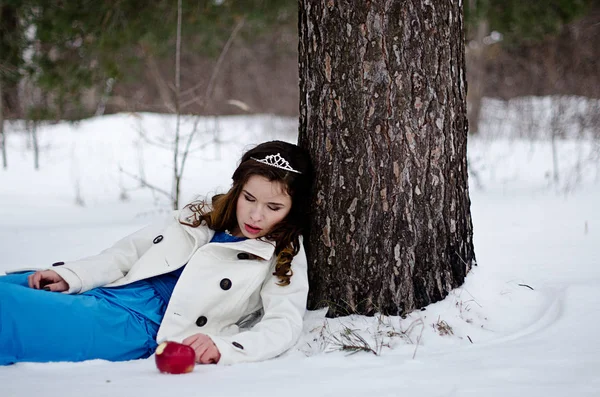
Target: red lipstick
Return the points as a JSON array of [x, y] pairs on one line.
[[251, 229]]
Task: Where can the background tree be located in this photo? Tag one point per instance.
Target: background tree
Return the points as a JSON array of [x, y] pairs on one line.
[[84, 47], [383, 112], [114, 56], [517, 23], [12, 43]]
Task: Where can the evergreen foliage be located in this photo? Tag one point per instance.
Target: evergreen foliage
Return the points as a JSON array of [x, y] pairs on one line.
[[11, 43], [80, 44], [523, 22], [11, 49], [64, 47]]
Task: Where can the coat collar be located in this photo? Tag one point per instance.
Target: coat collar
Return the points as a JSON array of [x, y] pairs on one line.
[[203, 234], [261, 248]]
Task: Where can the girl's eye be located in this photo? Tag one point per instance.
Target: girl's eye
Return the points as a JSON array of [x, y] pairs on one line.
[[274, 208], [249, 198]]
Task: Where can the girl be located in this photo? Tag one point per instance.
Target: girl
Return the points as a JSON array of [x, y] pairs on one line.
[[204, 278]]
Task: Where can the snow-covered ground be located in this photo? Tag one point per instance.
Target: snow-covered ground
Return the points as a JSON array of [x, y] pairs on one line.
[[525, 323]]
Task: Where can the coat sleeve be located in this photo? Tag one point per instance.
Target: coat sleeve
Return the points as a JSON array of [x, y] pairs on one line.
[[281, 325], [111, 264]]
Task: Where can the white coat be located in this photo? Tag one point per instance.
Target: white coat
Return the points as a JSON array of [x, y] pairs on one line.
[[221, 285]]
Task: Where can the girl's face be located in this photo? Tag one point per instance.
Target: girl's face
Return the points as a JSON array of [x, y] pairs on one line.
[[262, 204]]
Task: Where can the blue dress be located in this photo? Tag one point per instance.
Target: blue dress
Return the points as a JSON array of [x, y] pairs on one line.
[[116, 324]]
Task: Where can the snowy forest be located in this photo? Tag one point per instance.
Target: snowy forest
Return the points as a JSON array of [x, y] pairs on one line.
[[454, 231]]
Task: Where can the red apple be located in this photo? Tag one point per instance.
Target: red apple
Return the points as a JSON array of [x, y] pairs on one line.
[[175, 358]]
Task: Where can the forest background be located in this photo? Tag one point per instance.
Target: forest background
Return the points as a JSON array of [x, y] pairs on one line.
[[522, 323], [72, 60]]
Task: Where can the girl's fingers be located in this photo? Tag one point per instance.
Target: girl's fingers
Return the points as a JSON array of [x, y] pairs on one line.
[[190, 339], [57, 287], [48, 280], [200, 349], [210, 356], [34, 280], [206, 351], [62, 286]]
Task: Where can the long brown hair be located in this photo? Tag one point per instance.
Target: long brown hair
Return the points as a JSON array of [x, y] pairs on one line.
[[221, 214]]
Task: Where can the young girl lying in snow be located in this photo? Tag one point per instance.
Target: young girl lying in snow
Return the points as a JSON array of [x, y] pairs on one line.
[[196, 279]]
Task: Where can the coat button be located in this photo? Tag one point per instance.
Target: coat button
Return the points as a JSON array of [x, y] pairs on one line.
[[58, 263], [158, 239], [225, 284], [239, 346], [243, 255], [201, 322]]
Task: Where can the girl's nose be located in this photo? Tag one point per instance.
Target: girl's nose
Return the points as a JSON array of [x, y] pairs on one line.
[[255, 214]]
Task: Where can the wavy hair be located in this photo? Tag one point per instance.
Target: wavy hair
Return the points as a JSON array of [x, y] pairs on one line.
[[221, 214]]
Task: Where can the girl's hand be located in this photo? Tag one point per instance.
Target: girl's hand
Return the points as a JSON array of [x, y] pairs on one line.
[[206, 351], [48, 280]]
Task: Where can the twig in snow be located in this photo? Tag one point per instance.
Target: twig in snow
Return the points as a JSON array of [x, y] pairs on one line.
[[350, 340], [525, 285], [418, 340]]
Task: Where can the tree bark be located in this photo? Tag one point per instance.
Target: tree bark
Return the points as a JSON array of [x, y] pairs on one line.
[[476, 73], [383, 112], [35, 144], [176, 189], [2, 134]]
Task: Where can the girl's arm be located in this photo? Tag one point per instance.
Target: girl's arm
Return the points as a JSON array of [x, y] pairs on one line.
[[281, 325], [112, 263]]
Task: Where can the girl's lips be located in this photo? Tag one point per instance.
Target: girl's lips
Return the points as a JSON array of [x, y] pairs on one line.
[[252, 230]]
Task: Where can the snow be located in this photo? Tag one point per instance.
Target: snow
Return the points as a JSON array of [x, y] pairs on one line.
[[524, 323]]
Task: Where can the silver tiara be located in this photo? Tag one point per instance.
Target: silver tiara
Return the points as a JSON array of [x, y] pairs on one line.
[[275, 160]]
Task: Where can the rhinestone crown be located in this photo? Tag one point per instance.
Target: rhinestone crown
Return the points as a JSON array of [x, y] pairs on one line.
[[275, 160]]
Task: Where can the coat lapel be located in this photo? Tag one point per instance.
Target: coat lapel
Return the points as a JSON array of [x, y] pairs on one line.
[[261, 248]]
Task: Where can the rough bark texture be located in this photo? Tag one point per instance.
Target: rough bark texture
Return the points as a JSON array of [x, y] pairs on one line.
[[383, 112], [2, 136]]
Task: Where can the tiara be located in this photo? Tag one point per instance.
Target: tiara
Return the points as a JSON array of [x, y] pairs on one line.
[[275, 160]]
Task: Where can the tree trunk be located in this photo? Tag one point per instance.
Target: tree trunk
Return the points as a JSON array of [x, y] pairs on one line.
[[2, 136], [36, 146], [383, 113], [476, 74]]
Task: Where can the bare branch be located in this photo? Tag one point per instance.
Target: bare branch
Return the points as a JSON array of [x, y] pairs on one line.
[[418, 339], [144, 183], [203, 145], [176, 173], [208, 93], [178, 53], [163, 88], [209, 88], [160, 144]]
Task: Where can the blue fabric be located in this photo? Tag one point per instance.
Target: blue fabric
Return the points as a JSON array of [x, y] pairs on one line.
[[165, 283], [223, 237], [114, 324]]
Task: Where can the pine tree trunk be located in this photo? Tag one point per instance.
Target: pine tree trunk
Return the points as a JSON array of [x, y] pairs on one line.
[[36, 146], [2, 134], [383, 112], [476, 73]]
